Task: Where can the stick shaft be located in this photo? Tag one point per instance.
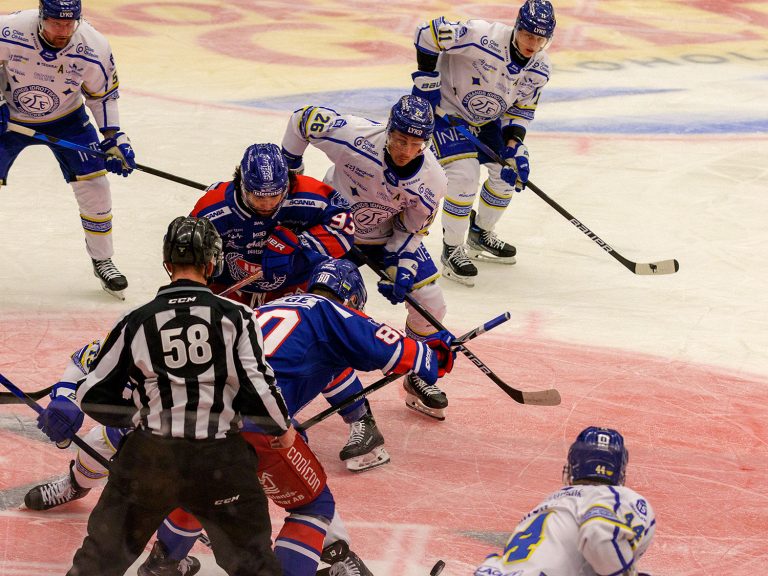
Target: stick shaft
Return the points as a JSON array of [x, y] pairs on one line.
[[392, 377], [85, 447], [26, 131], [652, 268]]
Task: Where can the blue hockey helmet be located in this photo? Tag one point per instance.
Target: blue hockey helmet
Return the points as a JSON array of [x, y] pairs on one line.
[[191, 240], [61, 9], [598, 454], [537, 17], [263, 171], [343, 279], [412, 115]]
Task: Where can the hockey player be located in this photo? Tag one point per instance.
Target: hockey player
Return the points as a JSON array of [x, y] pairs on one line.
[[593, 526], [488, 77], [308, 339], [276, 228], [394, 185], [51, 62]]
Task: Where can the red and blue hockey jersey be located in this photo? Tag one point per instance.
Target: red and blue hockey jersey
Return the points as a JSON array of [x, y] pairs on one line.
[[313, 210], [309, 340]]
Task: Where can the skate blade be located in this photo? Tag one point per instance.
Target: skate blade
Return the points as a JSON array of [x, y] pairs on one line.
[[119, 294], [415, 404], [373, 459], [483, 256], [465, 280]]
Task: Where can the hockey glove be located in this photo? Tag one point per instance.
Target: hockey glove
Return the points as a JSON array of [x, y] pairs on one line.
[[440, 343], [402, 269], [429, 369], [61, 419], [517, 170], [288, 255], [121, 159], [5, 116], [427, 85], [295, 163]]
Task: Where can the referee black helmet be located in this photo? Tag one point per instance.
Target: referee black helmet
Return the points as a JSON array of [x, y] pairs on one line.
[[191, 240]]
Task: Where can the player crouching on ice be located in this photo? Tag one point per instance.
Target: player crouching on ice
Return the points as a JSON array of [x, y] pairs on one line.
[[593, 525], [308, 338]]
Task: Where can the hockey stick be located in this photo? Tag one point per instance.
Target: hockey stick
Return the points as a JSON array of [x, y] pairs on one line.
[[9, 398], [307, 424], [240, 283], [32, 133], [549, 397], [650, 269], [85, 447]]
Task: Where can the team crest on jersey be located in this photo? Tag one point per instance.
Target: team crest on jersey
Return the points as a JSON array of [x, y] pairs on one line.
[[483, 106], [36, 101], [84, 357], [369, 215]]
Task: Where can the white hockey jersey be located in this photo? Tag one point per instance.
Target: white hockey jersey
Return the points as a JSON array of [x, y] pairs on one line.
[[584, 530], [42, 85], [481, 82], [387, 209]]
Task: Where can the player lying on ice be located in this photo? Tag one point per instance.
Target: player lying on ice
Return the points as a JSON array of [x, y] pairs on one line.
[[310, 337]]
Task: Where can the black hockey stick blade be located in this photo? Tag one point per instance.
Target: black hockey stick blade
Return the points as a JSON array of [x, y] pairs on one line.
[[8, 398], [437, 568], [550, 397]]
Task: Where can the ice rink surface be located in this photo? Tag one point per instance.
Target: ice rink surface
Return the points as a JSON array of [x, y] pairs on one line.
[[653, 132]]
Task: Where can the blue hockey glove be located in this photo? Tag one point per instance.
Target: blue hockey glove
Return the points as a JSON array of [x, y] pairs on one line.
[[295, 163], [429, 367], [402, 269], [427, 85], [287, 254], [440, 343], [5, 116], [61, 419], [518, 167], [122, 160]]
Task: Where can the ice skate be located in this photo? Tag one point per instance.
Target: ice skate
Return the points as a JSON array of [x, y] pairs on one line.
[[343, 562], [485, 245], [365, 448], [425, 398], [56, 493], [112, 280], [457, 266], [158, 564]]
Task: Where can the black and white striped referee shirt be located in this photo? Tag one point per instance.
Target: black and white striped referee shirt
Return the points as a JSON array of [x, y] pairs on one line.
[[195, 362]]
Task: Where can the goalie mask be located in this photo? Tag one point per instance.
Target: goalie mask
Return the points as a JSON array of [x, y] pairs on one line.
[[598, 455], [343, 279], [193, 241]]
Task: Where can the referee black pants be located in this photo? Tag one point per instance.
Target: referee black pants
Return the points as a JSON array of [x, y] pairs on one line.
[[214, 479]]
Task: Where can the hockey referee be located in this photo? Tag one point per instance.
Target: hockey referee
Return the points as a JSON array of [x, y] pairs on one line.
[[194, 364]]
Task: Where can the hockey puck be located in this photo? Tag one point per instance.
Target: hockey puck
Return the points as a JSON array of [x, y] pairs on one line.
[[437, 568]]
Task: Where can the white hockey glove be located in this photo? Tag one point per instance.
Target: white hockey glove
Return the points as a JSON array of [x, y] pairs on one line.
[[121, 160], [427, 85], [518, 168]]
